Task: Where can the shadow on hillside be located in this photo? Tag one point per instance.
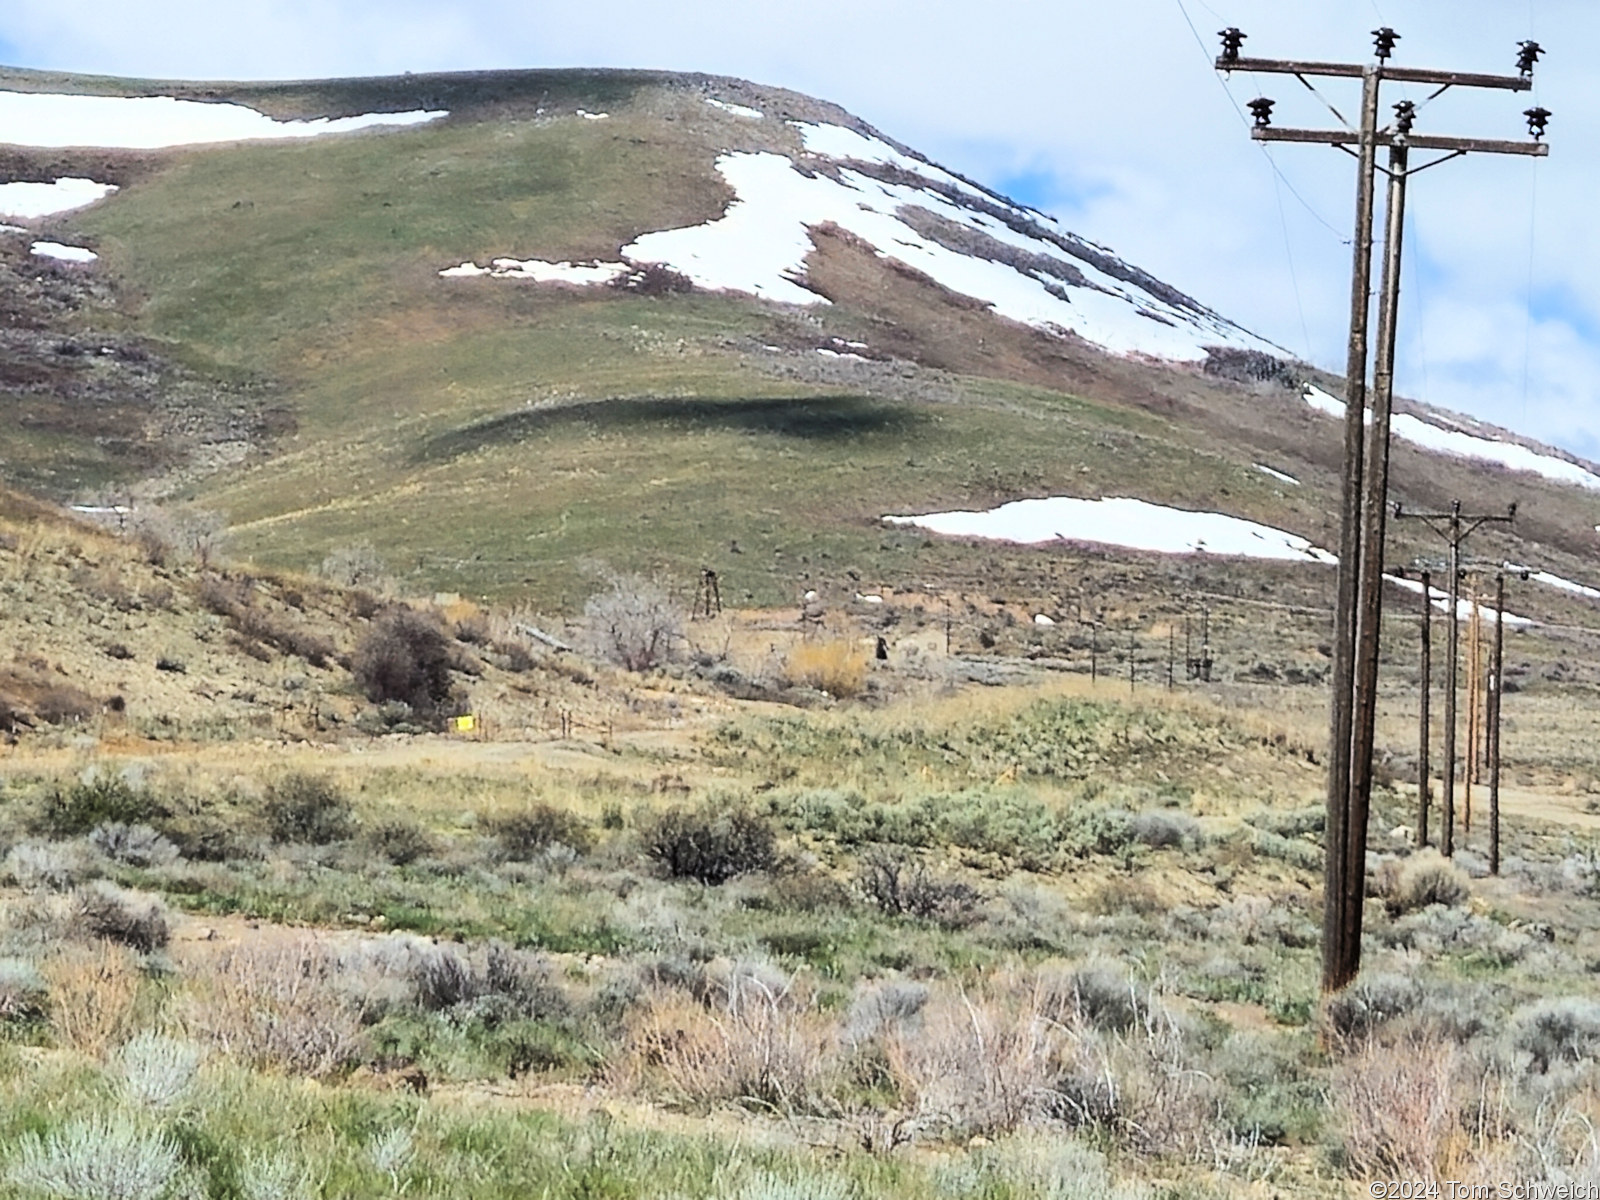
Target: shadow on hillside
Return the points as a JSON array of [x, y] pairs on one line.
[[816, 418]]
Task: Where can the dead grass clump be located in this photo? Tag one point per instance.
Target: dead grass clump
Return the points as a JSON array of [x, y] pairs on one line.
[[764, 1045], [276, 1008], [1397, 1108], [837, 666], [92, 994]]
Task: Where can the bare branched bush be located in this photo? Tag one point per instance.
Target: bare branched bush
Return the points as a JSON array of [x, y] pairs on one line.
[[356, 566], [1397, 1108], [276, 1008], [900, 884], [49, 866], [634, 623], [712, 844], [185, 534], [96, 1158]]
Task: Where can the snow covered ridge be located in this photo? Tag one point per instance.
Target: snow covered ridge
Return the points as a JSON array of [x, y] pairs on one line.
[[1014, 259], [53, 120], [1466, 445]]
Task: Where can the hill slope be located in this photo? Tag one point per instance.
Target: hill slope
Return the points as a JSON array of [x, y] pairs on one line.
[[630, 319]]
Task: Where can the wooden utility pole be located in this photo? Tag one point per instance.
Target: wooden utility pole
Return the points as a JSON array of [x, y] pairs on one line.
[[1469, 772], [1496, 689], [1455, 527], [1424, 785], [1363, 507]]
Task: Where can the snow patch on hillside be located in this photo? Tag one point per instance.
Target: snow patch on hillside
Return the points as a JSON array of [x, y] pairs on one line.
[[1121, 521], [29, 200], [77, 254], [1464, 607], [931, 221], [1278, 475], [542, 272], [1556, 581], [738, 110], [1466, 445], [157, 122]]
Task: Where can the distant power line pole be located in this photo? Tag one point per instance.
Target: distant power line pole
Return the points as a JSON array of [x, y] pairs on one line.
[[1363, 507], [1455, 527]]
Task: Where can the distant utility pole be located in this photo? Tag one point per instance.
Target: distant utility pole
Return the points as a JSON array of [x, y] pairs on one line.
[[1455, 527], [1363, 507], [1424, 786], [1496, 690]]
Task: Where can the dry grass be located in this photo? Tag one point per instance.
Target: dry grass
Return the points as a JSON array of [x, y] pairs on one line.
[[276, 1007], [1398, 1108], [93, 990], [837, 666], [764, 1045]]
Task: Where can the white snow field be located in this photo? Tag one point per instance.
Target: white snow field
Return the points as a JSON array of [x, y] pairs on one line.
[[31, 200], [542, 272], [760, 243], [1466, 445], [158, 122], [77, 254], [1120, 521]]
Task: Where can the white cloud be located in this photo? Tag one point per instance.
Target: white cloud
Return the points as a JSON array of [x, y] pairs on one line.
[[1117, 98]]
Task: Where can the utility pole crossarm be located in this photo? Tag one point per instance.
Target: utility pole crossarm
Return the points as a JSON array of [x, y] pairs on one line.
[[1416, 141], [1274, 66]]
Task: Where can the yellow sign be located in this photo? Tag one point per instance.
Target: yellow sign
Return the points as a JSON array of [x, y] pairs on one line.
[[466, 724]]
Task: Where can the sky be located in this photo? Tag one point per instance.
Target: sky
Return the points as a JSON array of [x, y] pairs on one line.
[[1108, 115]]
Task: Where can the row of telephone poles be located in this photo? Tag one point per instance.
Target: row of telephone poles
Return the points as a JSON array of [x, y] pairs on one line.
[[1364, 503]]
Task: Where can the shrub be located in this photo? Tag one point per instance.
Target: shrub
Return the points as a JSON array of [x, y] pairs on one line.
[[710, 844], [634, 623], [1159, 829], [1100, 996], [405, 656], [276, 1008], [356, 566], [1557, 1030], [133, 845], [264, 1177], [101, 799], [308, 810], [103, 910], [1370, 1002], [156, 1071], [901, 885], [49, 866], [1427, 878], [524, 835], [96, 1158], [836, 666], [400, 841], [24, 995]]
